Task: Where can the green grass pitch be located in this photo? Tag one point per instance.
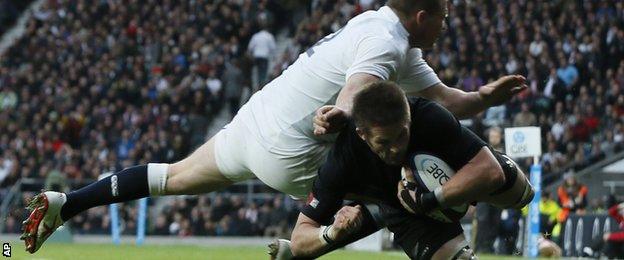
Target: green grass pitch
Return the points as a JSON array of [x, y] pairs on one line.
[[126, 252]]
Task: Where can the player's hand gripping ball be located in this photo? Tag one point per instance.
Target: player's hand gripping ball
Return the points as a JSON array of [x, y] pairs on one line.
[[427, 172]]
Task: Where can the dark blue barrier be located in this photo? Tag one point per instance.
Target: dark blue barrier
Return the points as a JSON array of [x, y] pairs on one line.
[[580, 230]]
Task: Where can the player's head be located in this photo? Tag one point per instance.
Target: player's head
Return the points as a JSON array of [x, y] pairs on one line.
[[382, 119], [423, 19]]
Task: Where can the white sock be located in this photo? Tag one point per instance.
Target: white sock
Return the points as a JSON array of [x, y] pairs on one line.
[[157, 178]]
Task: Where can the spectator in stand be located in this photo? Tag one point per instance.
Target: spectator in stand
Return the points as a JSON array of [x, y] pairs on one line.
[[233, 82], [550, 225], [525, 117], [261, 48], [572, 197], [567, 72], [160, 227], [472, 82], [488, 217]]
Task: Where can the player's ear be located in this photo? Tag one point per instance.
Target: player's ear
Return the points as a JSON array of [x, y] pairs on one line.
[[361, 133], [421, 16]]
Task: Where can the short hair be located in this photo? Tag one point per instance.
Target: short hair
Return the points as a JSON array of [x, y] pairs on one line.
[[406, 7], [379, 103]]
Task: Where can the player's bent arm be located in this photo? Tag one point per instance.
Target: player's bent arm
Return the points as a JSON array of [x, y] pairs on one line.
[[462, 104], [305, 239], [310, 239], [330, 119], [481, 176], [354, 84]]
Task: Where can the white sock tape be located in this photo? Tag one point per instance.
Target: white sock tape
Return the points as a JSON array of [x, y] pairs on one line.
[[157, 178], [321, 233]]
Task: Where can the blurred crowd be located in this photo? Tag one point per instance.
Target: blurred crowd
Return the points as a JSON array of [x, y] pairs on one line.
[[95, 87], [572, 54]]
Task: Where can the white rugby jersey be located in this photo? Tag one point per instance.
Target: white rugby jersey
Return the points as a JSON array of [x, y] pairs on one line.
[[374, 42]]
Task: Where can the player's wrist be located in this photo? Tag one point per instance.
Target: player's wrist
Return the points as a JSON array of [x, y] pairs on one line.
[[327, 235], [484, 100]]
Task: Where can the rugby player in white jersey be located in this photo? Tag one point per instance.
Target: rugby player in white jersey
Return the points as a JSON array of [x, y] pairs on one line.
[[272, 137]]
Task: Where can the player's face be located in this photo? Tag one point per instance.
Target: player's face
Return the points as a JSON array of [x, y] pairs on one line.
[[388, 142]]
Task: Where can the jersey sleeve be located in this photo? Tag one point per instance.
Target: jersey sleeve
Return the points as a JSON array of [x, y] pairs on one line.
[[442, 135], [328, 190], [417, 74], [375, 56]]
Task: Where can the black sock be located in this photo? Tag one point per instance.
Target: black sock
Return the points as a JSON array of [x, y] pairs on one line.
[[126, 185]]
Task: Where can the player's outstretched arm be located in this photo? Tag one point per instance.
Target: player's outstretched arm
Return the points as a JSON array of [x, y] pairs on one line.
[[467, 104], [310, 239]]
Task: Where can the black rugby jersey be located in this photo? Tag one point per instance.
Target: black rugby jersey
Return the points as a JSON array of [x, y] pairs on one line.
[[353, 171]]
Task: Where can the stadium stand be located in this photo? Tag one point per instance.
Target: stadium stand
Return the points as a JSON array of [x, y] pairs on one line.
[[92, 88]]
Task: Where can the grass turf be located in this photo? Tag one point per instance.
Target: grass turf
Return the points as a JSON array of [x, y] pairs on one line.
[[127, 252]]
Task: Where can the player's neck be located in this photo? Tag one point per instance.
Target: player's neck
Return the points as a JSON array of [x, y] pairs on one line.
[[402, 17]]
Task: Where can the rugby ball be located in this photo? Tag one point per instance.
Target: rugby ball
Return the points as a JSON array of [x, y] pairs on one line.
[[430, 172]]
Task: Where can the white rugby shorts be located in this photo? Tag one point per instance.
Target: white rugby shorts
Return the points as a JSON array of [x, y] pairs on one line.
[[240, 157]]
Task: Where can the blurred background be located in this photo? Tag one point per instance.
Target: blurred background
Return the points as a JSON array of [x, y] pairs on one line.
[[89, 87]]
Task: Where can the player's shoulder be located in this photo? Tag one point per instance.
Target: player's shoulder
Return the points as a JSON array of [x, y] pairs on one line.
[[422, 106], [425, 113], [376, 26]]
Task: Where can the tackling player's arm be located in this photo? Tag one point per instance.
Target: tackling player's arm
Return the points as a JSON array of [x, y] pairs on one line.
[[467, 104], [376, 58], [332, 118]]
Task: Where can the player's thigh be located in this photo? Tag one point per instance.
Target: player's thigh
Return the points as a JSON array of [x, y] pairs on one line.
[[216, 164], [239, 156], [419, 236]]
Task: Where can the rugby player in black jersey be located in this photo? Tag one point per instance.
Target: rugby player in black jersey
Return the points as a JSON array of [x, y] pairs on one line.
[[365, 165]]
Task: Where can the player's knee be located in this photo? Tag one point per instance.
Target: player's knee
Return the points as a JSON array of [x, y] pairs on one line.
[[496, 177], [526, 197]]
